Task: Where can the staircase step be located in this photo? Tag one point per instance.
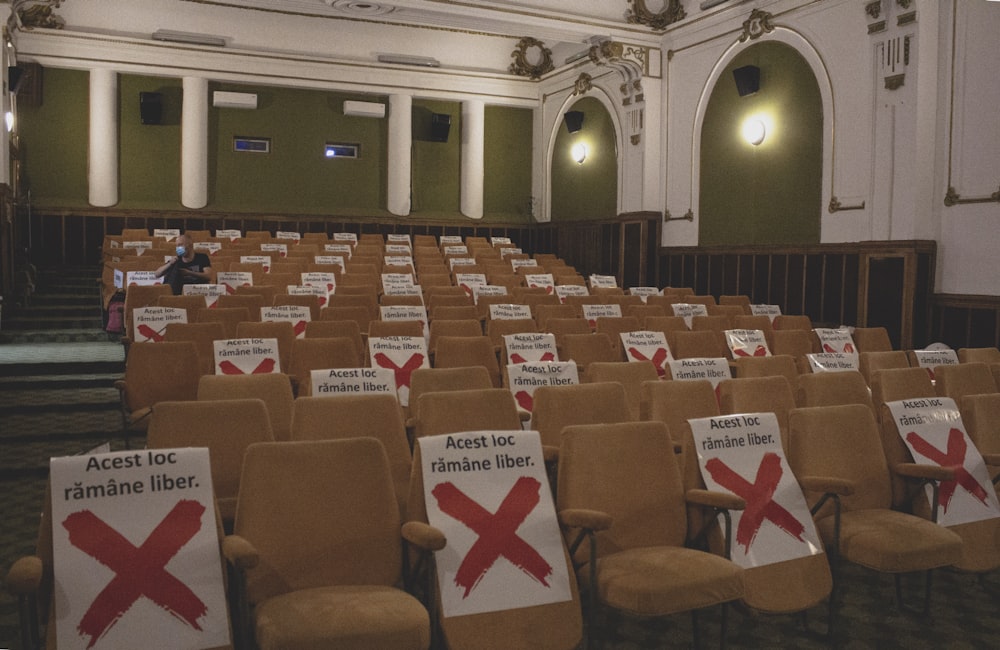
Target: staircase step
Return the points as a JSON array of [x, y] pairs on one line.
[[62, 298], [31, 459], [59, 382], [31, 402], [55, 310], [52, 323], [67, 335], [59, 426]]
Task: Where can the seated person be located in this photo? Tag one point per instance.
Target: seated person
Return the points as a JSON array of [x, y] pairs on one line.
[[188, 267]]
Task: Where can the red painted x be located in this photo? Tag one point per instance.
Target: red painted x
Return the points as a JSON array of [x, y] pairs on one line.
[[299, 327], [402, 372], [759, 498], [150, 333], [517, 358], [658, 358], [497, 532], [138, 571], [229, 368], [761, 351], [953, 458], [524, 400]]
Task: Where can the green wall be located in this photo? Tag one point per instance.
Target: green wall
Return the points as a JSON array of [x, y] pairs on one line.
[[295, 177], [588, 190], [771, 193]]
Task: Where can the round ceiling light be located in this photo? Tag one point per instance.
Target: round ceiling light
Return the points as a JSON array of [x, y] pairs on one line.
[[360, 7]]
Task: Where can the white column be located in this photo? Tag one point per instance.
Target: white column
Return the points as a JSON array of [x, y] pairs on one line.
[[400, 143], [194, 143], [102, 153], [473, 155]]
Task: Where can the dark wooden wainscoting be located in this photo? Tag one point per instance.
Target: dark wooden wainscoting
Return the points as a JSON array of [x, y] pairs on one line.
[[886, 284], [965, 321]]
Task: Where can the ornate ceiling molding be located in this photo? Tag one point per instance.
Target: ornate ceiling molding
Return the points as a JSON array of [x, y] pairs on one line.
[[628, 61], [29, 14], [531, 59], [583, 84], [758, 24], [639, 13]]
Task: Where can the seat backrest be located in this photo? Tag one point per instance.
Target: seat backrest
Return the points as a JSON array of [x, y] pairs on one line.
[[319, 354], [283, 331], [759, 394], [434, 380], [466, 410], [781, 364], [693, 345], [312, 302], [382, 328], [265, 291], [275, 389], [191, 304], [797, 343], [299, 507], [408, 301], [972, 378], [743, 302], [158, 372], [352, 416], [665, 324], [871, 362], [642, 312], [871, 339], [628, 471], [792, 322], [630, 374], [564, 326], [586, 349], [327, 329], [230, 317], [981, 416], [556, 407], [369, 301], [613, 327], [712, 323], [497, 329], [138, 296], [676, 402], [361, 315], [203, 335], [457, 327], [253, 303], [225, 427], [834, 389], [894, 384], [460, 351], [544, 314], [982, 355], [840, 442]]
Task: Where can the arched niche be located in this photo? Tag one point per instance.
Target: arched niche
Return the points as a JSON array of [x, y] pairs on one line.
[[770, 192], [587, 190]]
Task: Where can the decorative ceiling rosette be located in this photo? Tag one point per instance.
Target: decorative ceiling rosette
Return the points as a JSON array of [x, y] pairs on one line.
[[531, 58]]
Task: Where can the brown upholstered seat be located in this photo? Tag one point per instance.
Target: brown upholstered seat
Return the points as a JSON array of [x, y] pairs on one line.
[[630, 374], [273, 388], [556, 407]]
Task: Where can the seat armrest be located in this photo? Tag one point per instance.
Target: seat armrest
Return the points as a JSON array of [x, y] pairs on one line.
[[120, 385], [714, 499], [424, 536], [828, 484], [25, 576], [992, 460], [926, 472], [550, 453], [239, 552], [583, 518]]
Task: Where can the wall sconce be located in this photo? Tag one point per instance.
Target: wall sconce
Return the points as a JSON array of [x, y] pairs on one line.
[[573, 120], [8, 119], [579, 152], [754, 131]]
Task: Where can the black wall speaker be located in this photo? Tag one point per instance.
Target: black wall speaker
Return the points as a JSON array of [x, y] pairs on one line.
[[747, 80], [150, 108], [15, 76], [573, 120], [440, 125]]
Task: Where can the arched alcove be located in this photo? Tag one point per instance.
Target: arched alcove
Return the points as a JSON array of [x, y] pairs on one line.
[[770, 192], [587, 190]]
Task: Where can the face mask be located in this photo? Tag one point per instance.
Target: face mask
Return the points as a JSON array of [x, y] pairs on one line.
[[181, 251]]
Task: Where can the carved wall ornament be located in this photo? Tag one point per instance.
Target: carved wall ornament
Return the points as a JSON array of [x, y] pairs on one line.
[[639, 13], [531, 58], [29, 14], [894, 82], [952, 198], [584, 83], [636, 139], [874, 9], [758, 24], [629, 61], [905, 4], [836, 206]]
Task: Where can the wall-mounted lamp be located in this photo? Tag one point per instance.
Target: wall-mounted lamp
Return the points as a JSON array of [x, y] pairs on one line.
[[747, 80], [754, 131], [573, 120], [8, 119], [579, 152]]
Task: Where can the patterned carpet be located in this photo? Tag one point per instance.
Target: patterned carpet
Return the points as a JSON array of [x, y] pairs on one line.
[[60, 412]]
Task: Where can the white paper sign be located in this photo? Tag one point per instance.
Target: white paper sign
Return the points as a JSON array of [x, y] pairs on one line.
[[150, 323], [297, 315], [460, 261], [211, 292], [231, 234], [345, 236], [333, 260], [211, 247], [398, 260], [139, 246], [766, 310], [531, 347], [318, 290], [564, 290], [488, 290], [930, 359], [496, 241], [747, 343], [234, 279], [507, 250], [516, 264], [396, 280], [543, 280], [168, 234], [402, 355], [404, 313], [469, 281], [505, 311], [346, 250], [603, 281], [449, 239], [263, 260], [644, 292], [835, 340], [142, 278], [486, 486], [832, 362], [398, 239], [397, 249], [136, 551], [647, 346], [742, 455], [712, 369], [285, 234], [405, 290], [323, 279], [334, 382], [120, 278], [456, 250], [246, 356], [933, 431], [280, 249], [689, 310], [523, 379], [593, 312]]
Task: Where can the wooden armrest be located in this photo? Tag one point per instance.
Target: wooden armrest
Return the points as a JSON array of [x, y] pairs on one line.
[[583, 518], [828, 484], [928, 472], [713, 499], [550, 453], [992, 459], [523, 414], [424, 536], [25, 576], [239, 552]]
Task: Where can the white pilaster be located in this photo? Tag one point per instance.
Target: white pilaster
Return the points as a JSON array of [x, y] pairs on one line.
[[473, 156], [194, 143], [102, 153], [400, 143]]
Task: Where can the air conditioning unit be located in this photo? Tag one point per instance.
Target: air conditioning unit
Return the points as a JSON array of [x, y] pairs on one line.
[[364, 109], [222, 99]]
